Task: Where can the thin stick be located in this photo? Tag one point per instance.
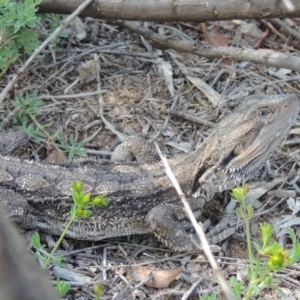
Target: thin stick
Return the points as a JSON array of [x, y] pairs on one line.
[[204, 243]]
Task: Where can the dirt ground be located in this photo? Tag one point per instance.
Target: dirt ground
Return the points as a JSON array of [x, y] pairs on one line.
[[174, 99]]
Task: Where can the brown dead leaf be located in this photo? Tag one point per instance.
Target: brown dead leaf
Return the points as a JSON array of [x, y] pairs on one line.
[[56, 156], [214, 37], [162, 278]]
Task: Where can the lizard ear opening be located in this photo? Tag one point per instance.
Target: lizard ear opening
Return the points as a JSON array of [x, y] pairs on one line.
[[237, 150], [196, 184]]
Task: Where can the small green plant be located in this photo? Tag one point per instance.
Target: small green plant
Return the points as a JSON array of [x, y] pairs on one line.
[[80, 209], [62, 288], [271, 256], [30, 108], [98, 290], [41, 254], [17, 35], [133, 238], [36, 241], [74, 149]]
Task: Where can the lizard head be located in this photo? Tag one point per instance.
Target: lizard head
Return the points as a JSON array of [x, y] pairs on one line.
[[244, 140]]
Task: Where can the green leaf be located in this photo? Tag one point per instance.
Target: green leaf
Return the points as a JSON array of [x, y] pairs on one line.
[[86, 198], [282, 293], [240, 193], [62, 287], [100, 201], [268, 281], [36, 241], [294, 256], [249, 272], [256, 246], [212, 296], [256, 289], [76, 149], [78, 197], [84, 213], [250, 210], [237, 286], [77, 186], [98, 289], [19, 21], [240, 212], [266, 231]]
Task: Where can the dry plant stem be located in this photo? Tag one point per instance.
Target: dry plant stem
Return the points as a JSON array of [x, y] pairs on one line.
[[286, 28], [130, 290], [191, 118], [73, 96], [262, 38], [199, 230], [281, 36], [273, 83], [264, 57], [50, 39], [9, 117], [192, 288]]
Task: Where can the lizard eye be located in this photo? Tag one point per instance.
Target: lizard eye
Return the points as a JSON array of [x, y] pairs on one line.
[[265, 115], [263, 112]]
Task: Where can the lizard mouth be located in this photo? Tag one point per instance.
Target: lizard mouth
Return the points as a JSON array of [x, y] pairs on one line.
[[242, 174]]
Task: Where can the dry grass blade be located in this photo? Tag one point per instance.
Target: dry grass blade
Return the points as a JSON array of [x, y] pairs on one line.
[[199, 230]]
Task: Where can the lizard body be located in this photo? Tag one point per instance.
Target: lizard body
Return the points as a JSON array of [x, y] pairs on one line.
[[141, 197]]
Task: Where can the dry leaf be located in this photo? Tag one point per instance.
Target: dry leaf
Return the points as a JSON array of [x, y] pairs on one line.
[[282, 223], [251, 29], [295, 131], [202, 86], [166, 69], [258, 189], [88, 71], [56, 156], [214, 37], [162, 278], [76, 30]]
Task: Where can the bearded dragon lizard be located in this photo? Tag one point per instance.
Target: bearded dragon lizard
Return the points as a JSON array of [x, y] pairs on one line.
[[141, 197]]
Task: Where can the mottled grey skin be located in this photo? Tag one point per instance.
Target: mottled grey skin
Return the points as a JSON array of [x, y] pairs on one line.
[[141, 197]]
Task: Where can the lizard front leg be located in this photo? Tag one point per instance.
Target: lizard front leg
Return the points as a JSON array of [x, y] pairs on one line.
[[168, 223], [135, 147]]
